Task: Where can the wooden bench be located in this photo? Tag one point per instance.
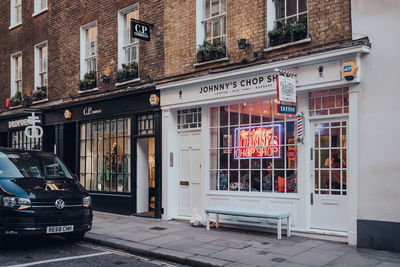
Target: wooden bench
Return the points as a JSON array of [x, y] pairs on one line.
[[266, 214]]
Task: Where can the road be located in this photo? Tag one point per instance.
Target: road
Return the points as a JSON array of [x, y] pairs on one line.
[[56, 251]]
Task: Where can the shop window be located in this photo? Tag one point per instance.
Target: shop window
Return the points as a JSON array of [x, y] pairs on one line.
[[286, 21], [105, 155], [21, 141], [212, 36], [145, 124], [253, 148], [329, 102], [189, 118]]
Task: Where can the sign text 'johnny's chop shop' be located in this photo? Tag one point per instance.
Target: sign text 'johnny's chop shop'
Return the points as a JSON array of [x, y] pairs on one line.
[[233, 140]]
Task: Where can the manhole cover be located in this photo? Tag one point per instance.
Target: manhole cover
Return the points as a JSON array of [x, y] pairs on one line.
[[158, 228]]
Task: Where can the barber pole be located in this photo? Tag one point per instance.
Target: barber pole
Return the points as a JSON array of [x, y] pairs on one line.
[[288, 73], [300, 135]]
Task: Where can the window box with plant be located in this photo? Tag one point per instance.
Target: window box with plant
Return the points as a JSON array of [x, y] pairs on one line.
[[128, 72], [89, 81], [210, 51], [40, 93], [16, 100], [286, 33]]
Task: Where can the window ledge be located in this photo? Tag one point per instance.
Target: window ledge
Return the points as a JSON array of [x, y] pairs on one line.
[[127, 82], [304, 41], [88, 91], [15, 107], [39, 12], [14, 26], [40, 101], [224, 59]]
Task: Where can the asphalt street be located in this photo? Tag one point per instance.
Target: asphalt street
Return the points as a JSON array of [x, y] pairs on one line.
[[56, 251]]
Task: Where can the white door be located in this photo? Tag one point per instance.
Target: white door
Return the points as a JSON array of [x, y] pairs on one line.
[[329, 194], [189, 197]]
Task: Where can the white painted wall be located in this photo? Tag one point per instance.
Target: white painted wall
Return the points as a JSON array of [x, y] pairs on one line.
[[379, 110]]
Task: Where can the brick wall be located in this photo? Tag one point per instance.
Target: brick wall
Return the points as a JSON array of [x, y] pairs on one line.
[[329, 23], [22, 38], [61, 27]]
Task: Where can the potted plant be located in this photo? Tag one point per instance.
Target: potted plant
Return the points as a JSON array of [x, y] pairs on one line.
[[40, 93], [16, 100], [208, 51], [285, 33], [277, 36], [89, 81], [128, 72]]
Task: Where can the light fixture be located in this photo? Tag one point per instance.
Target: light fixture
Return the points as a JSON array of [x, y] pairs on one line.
[[242, 43]]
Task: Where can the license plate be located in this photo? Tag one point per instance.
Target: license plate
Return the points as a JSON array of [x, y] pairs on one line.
[[59, 229]]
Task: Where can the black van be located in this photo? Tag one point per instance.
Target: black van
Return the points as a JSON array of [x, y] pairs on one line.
[[40, 196]]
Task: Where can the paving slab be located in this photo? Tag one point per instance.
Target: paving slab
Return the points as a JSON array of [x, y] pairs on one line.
[[313, 258], [355, 259], [388, 264], [230, 243], [199, 260], [229, 254]]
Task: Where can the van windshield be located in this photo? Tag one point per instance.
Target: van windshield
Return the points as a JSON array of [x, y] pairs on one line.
[[31, 165]]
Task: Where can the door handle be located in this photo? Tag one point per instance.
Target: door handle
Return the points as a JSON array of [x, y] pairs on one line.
[[186, 183], [312, 199]]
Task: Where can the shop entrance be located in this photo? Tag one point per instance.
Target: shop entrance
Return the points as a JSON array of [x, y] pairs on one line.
[[146, 178], [189, 173], [329, 193]]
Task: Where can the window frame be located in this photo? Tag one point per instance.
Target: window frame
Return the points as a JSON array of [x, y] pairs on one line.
[[38, 60], [15, 13], [16, 82], [122, 35], [40, 6], [83, 50]]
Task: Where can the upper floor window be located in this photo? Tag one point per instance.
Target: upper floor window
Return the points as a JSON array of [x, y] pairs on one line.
[[16, 79], [286, 21], [128, 47], [40, 5], [213, 36], [88, 56], [16, 12], [40, 92], [91, 49]]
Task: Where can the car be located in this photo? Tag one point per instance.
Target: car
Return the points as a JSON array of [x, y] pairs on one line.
[[40, 196]]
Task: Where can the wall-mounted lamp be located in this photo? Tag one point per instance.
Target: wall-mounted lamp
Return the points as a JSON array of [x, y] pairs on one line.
[[104, 78], [320, 70], [242, 43]]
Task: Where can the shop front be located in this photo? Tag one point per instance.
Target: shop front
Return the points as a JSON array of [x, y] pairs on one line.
[[229, 144], [113, 146]]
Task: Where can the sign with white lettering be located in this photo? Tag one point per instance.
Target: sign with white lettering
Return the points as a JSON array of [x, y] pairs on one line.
[[286, 89], [17, 123], [33, 130], [288, 109], [87, 111], [140, 30]]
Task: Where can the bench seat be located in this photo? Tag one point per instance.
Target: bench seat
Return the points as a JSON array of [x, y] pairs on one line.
[[265, 214]]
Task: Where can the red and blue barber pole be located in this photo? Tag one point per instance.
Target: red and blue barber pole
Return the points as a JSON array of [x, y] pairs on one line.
[[300, 129]]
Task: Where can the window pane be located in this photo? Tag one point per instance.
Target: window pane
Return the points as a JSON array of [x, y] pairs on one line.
[[302, 5], [280, 9], [291, 7]]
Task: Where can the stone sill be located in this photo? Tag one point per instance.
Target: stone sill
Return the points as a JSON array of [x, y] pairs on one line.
[[272, 48], [15, 107], [224, 59], [88, 91], [40, 101], [127, 82], [15, 26], [40, 12]]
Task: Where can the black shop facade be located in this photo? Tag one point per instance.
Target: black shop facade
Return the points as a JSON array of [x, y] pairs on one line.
[[113, 145]]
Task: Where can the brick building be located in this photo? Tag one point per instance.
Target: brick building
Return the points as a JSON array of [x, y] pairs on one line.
[[75, 64]]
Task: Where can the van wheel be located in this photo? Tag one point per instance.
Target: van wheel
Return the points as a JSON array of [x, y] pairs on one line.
[[75, 237]]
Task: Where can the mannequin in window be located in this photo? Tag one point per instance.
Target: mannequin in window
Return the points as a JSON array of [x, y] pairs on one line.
[[116, 169], [334, 163]]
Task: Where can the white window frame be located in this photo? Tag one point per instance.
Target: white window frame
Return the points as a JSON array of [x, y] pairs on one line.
[[40, 6], [15, 13], [201, 19], [122, 35], [271, 15], [14, 78], [83, 48], [38, 70]]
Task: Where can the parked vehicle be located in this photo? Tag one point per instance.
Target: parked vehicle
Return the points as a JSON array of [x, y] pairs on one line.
[[40, 196]]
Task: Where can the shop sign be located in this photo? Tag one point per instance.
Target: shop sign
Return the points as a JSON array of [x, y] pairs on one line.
[[154, 100], [286, 87], [33, 130], [87, 111], [140, 30], [67, 114], [17, 123], [258, 141], [288, 109], [291, 153]]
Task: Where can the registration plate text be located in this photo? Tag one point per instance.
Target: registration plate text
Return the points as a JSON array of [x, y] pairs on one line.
[[59, 229]]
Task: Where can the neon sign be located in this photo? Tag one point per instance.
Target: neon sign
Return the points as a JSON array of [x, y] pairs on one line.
[[258, 142]]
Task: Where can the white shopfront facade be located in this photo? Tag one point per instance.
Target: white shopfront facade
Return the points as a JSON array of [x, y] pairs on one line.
[[224, 143]]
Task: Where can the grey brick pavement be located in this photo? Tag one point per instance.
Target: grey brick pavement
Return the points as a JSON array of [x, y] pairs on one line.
[[182, 243]]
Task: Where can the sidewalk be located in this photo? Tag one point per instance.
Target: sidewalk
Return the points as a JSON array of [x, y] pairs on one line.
[[182, 243]]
